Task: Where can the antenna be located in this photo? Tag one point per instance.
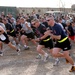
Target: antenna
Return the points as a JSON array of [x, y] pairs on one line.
[[63, 5]]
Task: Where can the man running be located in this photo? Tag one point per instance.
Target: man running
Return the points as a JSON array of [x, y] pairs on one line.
[[44, 41], [62, 42], [5, 39]]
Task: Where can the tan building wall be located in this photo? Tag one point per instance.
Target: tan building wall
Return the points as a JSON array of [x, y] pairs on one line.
[[42, 10]]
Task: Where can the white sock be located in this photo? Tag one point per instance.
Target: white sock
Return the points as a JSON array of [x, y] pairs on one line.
[[40, 54], [45, 54], [73, 65], [57, 59], [19, 45], [25, 45]]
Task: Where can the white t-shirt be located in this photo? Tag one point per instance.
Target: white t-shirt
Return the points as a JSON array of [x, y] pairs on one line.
[[3, 26], [25, 27]]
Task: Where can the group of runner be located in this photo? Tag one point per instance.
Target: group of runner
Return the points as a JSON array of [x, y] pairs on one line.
[[43, 31]]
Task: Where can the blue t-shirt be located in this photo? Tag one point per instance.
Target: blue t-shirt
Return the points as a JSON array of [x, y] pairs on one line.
[[57, 30]]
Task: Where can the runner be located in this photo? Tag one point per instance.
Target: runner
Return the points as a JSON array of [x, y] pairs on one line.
[[5, 39], [27, 31], [10, 31], [70, 31], [62, 42], [44, 41]]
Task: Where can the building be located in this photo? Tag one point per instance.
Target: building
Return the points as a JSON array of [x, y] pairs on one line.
[[25, 10], [42, 10], [6, 10]]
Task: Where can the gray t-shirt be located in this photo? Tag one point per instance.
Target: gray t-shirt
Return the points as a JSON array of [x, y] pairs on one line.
[[1, 24], [25, 27]]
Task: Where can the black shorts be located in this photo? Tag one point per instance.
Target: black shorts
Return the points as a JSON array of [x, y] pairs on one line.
[[64, 45], [6, 40], [13, 34], [47, 44], [30, 35]]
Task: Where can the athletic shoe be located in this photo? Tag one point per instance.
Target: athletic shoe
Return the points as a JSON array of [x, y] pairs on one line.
[[18, 51], [46, 56], [72, 69], [26, 48], [1, 53], [38, 56], [56, 62], [14, 43], [19, 45]]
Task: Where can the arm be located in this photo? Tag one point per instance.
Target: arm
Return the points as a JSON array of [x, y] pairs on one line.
[[45, 35], [28, 26], [57, 37], [68, 32], [1, 30]]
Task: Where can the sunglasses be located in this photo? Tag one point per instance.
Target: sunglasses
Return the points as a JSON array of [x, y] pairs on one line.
[[34, 23], [48, 20], [4, 20]]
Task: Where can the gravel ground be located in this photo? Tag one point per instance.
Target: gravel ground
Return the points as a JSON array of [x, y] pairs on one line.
[[27, 64]]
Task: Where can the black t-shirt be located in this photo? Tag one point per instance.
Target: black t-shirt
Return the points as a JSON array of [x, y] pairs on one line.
[[46, 24], [9, 21], [8, 27], [18, 27], [64, 25], [41, 30], [71, 30]]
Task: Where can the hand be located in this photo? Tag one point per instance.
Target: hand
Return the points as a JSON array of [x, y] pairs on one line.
[[37, 40], [47, 32]]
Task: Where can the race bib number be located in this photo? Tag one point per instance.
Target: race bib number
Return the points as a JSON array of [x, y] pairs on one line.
[[2, 37]]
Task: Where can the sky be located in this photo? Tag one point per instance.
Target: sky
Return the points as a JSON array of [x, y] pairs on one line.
[[38, 3]]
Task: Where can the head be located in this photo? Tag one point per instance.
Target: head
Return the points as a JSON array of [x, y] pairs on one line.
[[68, 22], [22, 20], [4, 20], [2, 13], [50, 21], [35, 23], [12, 20], [60, 20], [73, 24], [9, 15], [42, 19], [17, 21]]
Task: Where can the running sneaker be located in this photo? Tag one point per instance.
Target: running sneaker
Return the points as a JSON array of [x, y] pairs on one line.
[[56, 62], [19, 45], [38, 56], [18, 51], [46, 57], [72, 69], [26, 48], [1, 53]]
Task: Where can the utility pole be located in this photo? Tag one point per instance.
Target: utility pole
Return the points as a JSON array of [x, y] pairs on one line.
[[63, 5]]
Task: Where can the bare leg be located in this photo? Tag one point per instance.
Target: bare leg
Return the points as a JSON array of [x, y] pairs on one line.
[[1, 45], [56, 52], [66, 55], [34, 42], [17, 42], [24, 40], [39, 49], [12, 46]]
